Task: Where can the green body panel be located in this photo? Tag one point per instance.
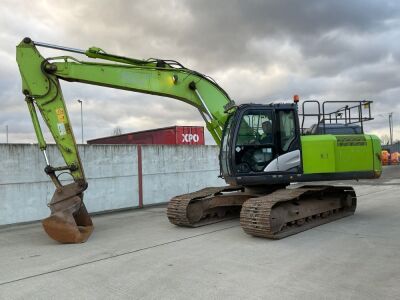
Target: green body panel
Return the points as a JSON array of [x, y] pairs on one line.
[[340, 153], [377, 149], [40, 84], [318, 154]]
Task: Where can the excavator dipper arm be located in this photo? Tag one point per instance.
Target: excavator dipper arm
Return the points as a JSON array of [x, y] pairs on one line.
[[69, 221]]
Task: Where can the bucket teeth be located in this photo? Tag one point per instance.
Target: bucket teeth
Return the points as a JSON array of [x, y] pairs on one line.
[[69, 221]]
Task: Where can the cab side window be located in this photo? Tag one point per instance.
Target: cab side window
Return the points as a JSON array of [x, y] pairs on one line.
[[287, 133]]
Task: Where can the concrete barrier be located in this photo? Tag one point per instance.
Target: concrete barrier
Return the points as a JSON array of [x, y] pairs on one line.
[[112, 172]]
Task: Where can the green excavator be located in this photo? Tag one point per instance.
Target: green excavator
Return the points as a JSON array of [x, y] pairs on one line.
[[263, 147]]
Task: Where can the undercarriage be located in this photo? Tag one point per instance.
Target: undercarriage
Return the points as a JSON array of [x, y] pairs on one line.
[[274, 213]]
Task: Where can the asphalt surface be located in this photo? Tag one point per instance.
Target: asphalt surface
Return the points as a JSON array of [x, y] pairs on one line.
[[139, 255]]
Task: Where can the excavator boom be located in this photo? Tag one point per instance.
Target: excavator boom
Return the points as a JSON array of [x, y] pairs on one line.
[[69, 221]]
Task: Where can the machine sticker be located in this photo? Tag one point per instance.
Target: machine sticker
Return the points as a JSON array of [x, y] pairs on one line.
[[61, 128], [60, 115]]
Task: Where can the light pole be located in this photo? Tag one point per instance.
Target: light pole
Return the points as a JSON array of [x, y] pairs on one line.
[[7, 133], [80, 102], [390, 141], [391, 127]]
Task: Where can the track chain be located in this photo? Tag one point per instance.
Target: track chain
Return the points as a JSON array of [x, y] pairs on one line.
[[255, 216], [177, 206]]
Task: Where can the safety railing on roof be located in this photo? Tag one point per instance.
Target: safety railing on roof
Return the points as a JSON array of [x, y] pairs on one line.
[[349, 112]]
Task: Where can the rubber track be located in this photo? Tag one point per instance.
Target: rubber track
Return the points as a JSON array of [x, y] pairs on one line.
[[255, 214]]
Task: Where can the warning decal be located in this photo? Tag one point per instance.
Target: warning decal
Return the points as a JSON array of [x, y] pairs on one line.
[[60, 115], [61, 128]]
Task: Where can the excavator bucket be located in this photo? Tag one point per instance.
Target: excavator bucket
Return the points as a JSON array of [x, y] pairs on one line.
[[69, 221]]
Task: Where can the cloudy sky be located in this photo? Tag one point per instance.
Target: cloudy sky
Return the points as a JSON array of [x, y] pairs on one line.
[[258, 51]]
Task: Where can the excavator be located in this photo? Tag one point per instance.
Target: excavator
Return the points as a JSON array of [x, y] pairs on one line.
[[264, 148]]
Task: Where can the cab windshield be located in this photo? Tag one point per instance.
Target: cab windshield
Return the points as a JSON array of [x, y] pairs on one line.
[[255, 128], [254, 147]]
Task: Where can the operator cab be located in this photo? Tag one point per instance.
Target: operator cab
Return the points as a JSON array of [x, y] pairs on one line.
[[261, 141]]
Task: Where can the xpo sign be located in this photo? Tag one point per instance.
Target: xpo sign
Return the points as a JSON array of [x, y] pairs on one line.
[[189, 137]]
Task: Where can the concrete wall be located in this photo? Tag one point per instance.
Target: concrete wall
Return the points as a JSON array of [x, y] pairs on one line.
[[112, 174]]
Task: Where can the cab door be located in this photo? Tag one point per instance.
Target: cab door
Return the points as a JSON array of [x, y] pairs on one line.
[[288, 158]]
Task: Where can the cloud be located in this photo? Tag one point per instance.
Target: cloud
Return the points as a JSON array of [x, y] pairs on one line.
[[259, 51]]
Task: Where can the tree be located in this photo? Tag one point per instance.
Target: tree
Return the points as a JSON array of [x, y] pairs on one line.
[[117, 130], [385, 139]]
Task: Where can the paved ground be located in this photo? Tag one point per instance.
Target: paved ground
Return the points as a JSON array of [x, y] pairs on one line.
[[139, 255]]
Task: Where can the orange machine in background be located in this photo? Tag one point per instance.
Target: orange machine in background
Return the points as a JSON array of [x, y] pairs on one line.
[[385, 157], [394, 158]]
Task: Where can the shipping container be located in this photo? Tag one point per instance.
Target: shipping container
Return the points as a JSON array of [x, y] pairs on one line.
[[173, 135]]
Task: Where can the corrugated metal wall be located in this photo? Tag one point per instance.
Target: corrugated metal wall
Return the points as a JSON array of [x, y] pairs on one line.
[[174, 135], [112, 174], [392, 148]]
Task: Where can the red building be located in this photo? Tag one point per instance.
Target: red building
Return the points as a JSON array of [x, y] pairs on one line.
[[174, 135]]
